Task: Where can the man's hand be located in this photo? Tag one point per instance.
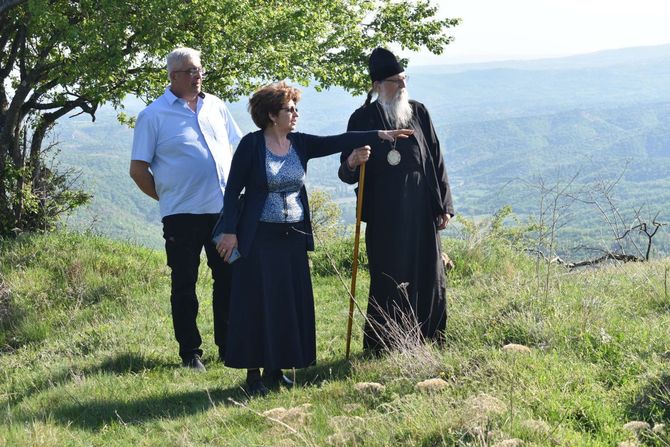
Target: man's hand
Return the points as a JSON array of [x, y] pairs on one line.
[[139, 172], [358, 156], [226, 245], [443, 221]]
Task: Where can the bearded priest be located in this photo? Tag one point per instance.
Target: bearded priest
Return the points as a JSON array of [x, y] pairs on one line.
[[407, 201]]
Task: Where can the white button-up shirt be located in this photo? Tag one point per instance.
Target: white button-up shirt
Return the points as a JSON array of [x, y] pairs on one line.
[[189, 152]]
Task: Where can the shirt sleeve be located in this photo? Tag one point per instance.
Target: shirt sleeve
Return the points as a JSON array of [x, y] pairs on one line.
[[144, 138]]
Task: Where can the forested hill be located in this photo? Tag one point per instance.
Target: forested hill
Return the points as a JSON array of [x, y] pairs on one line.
[[504, 127]]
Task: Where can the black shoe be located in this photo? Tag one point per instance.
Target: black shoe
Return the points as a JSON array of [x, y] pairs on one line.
[[277, 378], [257, 389], [194, 363]]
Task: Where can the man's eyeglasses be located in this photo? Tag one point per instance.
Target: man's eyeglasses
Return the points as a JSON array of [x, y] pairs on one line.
[[193, 72], [291, 109], [398, 81]]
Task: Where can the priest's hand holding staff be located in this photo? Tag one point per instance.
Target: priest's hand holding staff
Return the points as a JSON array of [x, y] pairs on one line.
[[358, 156]]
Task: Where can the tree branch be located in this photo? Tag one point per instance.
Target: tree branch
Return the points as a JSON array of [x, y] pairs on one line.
[[19, 40], [606, 257], [45, 122], [32, 101]]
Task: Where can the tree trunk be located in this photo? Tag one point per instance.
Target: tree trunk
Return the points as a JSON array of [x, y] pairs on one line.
[[18, 208]]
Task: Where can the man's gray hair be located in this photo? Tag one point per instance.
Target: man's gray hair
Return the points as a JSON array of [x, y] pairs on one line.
[[180, 55]]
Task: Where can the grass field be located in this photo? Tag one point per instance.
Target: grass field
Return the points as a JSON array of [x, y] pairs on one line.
[[88, 357]]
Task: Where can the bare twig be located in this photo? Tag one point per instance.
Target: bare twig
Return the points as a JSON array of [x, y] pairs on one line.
[[607, 257], [118, 416]]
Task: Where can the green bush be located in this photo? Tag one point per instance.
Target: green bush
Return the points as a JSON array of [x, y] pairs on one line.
[[493, 246], [336, 255]]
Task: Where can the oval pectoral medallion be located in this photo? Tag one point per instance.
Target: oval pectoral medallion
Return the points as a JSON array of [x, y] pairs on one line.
[[393, 157]]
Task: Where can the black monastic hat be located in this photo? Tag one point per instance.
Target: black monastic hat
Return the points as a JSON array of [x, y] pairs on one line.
[[383, 64]]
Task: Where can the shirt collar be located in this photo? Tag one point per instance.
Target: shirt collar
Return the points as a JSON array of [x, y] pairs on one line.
[[171, 97]]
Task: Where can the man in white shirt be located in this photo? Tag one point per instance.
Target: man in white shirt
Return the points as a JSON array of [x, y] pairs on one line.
[[182, 149]]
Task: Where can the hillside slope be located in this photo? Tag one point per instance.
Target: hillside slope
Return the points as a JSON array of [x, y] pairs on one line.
[[88, 357]]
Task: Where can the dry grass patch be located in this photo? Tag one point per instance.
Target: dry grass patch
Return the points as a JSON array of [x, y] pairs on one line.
[[353, 408], [485, 406], [636, 426], [513, 347], [372, 388], [348, 430], [536, 426], [514, 442], [296, 417], [431, 386]]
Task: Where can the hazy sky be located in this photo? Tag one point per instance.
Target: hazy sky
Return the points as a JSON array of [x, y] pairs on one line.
[[513, 29]]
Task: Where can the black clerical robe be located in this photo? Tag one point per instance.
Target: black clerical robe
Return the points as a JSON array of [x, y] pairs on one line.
[[401, 205]]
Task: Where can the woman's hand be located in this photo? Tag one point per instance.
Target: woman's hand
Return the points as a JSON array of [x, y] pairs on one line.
[[226, 245], [357, 157], [391, 135]]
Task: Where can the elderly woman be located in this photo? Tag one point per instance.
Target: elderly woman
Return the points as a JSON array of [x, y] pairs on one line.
[[271, 315]]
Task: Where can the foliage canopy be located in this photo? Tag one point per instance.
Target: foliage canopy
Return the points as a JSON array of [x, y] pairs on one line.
[[65, 56]]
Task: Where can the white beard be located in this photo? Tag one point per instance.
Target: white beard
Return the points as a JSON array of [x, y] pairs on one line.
[[398, 110]]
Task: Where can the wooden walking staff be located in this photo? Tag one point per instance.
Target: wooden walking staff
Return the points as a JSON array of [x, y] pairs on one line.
[[354, 267]]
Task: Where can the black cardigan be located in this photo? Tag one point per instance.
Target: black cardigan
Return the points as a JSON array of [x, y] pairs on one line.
[[247, 172]]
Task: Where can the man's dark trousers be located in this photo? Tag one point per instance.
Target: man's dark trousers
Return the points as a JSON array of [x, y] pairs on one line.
[[185, 236]]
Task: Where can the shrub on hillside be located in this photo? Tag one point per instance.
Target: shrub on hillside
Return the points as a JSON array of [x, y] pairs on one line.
[[491, 246], [38, 193], [336, 255]]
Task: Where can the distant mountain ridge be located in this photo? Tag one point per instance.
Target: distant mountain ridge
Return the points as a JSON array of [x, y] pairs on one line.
[[619, 56], [596, 114]]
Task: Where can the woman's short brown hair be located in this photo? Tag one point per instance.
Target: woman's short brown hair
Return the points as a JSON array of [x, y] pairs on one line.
[[269, 99]]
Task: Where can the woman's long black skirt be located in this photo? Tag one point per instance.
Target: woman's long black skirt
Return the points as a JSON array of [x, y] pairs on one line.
[[271, 317]]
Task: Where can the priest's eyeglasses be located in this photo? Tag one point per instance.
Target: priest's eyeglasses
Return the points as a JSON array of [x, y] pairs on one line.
[[398, 81]]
